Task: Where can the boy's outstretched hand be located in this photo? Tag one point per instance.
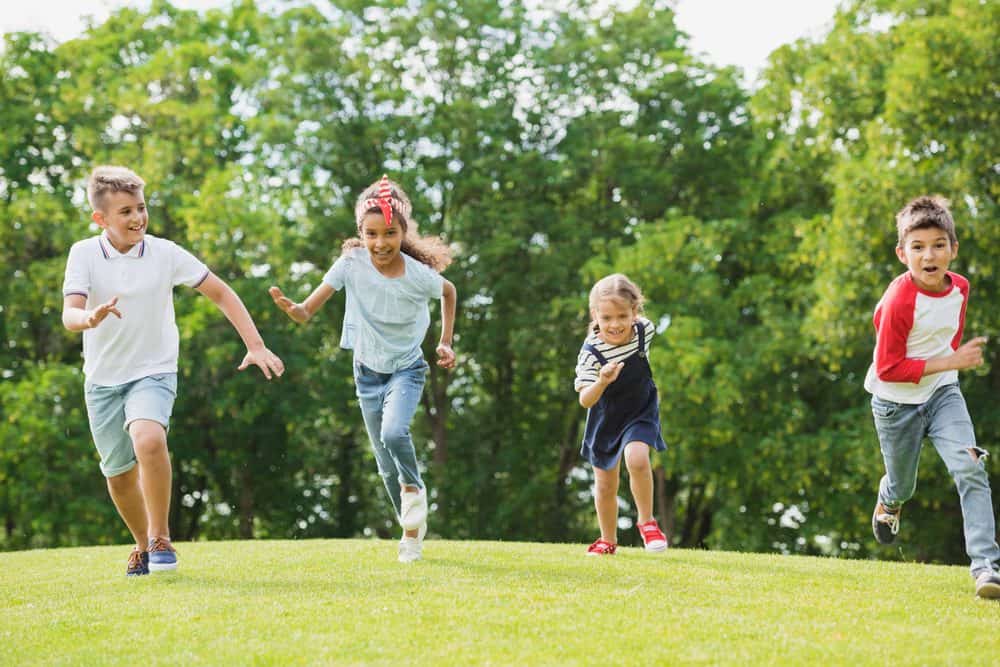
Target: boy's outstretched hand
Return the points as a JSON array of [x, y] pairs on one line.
[[268, 362], [446, 356], [292, 309], [98, 314]]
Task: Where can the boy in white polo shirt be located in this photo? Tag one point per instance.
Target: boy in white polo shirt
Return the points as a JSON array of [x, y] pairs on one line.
[[130, 359], [913, 381]]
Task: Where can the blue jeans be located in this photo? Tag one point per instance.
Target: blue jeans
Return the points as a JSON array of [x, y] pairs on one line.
[[111, 409], [388, 403], [945, 419]]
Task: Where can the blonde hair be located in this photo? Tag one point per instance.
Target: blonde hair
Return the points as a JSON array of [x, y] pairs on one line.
[[429, 250], [922, 213], [616, 286], [109, 178]]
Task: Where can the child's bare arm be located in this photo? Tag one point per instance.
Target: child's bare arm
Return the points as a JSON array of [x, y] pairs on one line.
[[969, 355], [449, 299], [76, 317], [302, 312], [593, 392], [230, 304]]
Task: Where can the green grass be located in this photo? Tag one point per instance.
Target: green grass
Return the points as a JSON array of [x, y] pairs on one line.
[[498, 603]]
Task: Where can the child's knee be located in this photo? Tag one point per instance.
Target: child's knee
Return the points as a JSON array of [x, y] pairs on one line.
[[148, 438], [971, 465], [637, 457], [606, 485]]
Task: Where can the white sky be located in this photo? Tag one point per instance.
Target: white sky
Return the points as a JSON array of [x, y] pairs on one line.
[[725, 32]]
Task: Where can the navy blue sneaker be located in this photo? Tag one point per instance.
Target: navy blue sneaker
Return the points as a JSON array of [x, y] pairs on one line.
[[162, 555], [138, 563], [885, 523]]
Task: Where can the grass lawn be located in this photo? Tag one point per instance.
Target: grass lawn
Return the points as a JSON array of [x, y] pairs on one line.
[[479, 603]]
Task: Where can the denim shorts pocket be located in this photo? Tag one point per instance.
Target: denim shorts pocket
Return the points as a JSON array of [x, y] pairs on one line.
[[883, 409]]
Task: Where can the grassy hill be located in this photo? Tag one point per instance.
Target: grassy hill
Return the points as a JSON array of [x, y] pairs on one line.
[[350, 602]]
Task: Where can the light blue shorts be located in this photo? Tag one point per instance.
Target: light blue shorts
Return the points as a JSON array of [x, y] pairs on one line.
[[111, 409]]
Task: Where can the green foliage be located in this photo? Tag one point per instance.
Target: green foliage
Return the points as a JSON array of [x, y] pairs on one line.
[[549, 147]]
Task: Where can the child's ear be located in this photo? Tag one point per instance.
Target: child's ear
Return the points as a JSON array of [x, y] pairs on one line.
[[901, 254], [98, 217]]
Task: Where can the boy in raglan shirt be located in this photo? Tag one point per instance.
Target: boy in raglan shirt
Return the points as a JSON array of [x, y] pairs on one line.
[[913, 381]]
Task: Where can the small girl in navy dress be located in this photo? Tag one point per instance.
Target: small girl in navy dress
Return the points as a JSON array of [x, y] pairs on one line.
[[616, 385], [389, 274]]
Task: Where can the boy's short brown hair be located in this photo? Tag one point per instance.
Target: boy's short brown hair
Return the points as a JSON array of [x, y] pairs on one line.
[[109, 178], [923, 212]]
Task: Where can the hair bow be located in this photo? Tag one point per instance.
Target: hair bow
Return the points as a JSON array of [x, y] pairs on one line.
[[383, 201]]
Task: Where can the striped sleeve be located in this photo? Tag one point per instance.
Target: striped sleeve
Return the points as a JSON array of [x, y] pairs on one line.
[[587, 369]]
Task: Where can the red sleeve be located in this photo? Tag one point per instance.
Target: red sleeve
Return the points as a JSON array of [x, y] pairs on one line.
[[893, 322], [963, 286]]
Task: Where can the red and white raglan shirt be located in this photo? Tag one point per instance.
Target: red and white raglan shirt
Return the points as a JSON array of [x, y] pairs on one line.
[[912, 326], [145, 340]]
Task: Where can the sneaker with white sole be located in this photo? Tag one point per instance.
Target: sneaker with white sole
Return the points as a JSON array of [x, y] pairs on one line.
[[602, 548], [412, 548], [413, 509], [885, 523], [652, 537], [162, 555], [988, 585]]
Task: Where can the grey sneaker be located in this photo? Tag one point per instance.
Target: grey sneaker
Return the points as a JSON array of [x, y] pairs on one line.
[[988, 585], [885, 523]]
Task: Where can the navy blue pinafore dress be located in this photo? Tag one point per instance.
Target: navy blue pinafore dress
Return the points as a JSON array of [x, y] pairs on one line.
[[629, 410]]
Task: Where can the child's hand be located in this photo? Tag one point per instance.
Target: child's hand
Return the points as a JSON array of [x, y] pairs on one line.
[[610, 371], [970, 355], [292, 309], [267, 361], [446, 356], [98, 314]]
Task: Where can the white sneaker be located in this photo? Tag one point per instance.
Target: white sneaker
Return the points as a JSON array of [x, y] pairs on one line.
[[413, 510], [412, 548]]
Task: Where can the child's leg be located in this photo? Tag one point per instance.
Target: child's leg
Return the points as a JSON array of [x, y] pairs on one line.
[[402, 398], [106, 414], [606, 501], [149, 440], [371, 411], [149, 403], [640, 476], [900, 431], [955, 440], [127, 496]]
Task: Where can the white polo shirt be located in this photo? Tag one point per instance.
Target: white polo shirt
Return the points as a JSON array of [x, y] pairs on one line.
[[145, 340]]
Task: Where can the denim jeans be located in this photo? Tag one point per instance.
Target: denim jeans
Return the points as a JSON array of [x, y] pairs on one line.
[[388, 403], [112, 409], [944, 419]]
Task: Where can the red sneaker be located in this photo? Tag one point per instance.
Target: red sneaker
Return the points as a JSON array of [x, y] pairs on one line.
[[602, 548], [652, 536]]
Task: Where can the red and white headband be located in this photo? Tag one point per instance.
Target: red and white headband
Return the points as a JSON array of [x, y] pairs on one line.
[[385, 202]]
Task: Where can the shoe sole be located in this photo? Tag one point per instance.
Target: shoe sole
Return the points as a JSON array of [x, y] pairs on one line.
[[163, 567], [989, 591], [655, 549]]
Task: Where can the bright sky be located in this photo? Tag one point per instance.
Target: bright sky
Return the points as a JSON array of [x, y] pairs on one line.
[[725, 32]]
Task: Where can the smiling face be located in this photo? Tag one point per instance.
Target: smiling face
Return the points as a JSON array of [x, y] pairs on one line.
[[123, 215], [382, 241], [614, 318], [927, 252]]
